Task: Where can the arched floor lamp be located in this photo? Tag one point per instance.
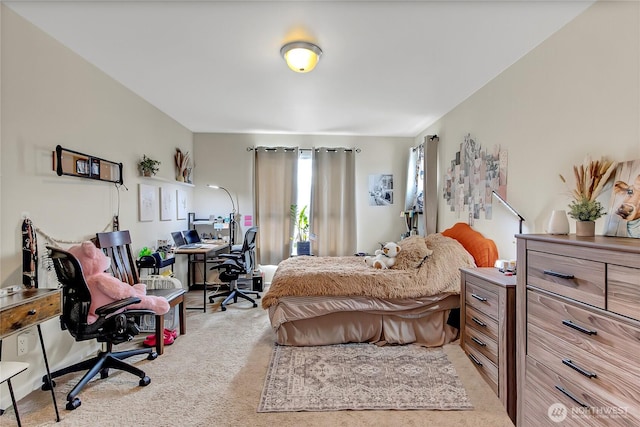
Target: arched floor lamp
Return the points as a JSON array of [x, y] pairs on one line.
[[232, 216]]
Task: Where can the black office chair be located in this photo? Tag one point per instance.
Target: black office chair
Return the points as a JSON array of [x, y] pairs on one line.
[[109, 328], [234, 265]]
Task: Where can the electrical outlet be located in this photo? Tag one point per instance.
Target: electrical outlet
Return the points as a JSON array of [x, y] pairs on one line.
[[23, 343]]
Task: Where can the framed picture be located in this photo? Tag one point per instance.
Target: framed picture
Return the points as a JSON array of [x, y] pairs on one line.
[[81, 167], [95, 167], [181, 198], [147, 202], [623, 219], [167, 204], [381, 189]]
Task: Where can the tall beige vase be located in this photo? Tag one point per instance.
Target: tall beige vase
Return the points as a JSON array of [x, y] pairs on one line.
[[585, 228]]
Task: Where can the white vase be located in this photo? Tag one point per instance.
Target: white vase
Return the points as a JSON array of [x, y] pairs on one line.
[[558, 223]]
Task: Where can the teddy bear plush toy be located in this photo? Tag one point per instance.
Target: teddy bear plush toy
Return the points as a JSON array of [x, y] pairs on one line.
[[104, 288], [384, 258]]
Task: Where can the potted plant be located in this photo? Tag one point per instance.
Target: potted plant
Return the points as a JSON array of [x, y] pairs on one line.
[[148, 166], [301, 226], [591, 177], [585, 212]]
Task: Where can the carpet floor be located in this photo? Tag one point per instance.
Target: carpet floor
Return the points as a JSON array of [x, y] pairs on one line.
[[214, 376]]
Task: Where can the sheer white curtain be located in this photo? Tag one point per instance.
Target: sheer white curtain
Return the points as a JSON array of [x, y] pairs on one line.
[[422, 181], [333, 206], [276, 171], [414, 199]]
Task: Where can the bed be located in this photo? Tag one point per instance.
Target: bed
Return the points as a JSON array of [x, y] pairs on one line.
[[333, 300]]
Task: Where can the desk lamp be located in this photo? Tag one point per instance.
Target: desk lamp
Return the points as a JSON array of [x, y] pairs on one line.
[[510, 208], [232, 215]]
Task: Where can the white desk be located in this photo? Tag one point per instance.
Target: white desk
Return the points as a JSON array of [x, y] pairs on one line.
[[200, 255]]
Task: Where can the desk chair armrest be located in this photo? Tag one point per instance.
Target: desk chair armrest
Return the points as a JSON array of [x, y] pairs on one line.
[[116, 305], [230, 265]]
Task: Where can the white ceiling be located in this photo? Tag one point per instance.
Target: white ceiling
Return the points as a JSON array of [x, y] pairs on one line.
[[389, 68]]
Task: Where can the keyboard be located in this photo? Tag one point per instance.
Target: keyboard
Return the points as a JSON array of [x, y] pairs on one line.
[[191, 246]]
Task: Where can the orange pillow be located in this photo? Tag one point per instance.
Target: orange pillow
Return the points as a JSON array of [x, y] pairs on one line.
[[483, 250]]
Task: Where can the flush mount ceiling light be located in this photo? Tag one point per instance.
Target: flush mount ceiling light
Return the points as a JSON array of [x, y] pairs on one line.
[[301, 57]]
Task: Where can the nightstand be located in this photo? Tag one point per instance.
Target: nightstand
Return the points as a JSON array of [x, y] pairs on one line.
[[488, 329]]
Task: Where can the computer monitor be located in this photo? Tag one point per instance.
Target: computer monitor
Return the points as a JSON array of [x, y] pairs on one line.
[[191, 236], [178, 238]]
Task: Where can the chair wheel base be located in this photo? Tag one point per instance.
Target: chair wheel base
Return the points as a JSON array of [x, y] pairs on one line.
[[145, 381], [46, 384], [255, 305], [152, 356], [73, 404], [223, 308]]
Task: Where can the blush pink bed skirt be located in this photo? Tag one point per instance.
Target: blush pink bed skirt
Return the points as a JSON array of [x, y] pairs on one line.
[[305, 321]]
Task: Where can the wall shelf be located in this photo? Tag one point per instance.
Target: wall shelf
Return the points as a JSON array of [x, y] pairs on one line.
[[81, 165], [157, 178]]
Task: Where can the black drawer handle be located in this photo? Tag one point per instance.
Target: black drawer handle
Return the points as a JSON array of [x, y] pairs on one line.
[[477, 341], [479, 322], [560, 275], [31, 312], [572, 397], [475, 360], [479, 298], [573, 366], [584, 330]]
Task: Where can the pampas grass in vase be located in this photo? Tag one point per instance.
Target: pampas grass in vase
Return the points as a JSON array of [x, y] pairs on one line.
[[591, 177], [182, 163]]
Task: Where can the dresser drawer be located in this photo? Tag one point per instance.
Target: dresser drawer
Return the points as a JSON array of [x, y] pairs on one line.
[[482, 343], [604, 377], [599, 335], [486, 368], [480, 321], [547, 388], [574, 278], [623, 290], [22, 316], [482, 299]]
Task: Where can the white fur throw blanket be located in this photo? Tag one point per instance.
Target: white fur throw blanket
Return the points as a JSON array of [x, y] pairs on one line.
[[350, 276]]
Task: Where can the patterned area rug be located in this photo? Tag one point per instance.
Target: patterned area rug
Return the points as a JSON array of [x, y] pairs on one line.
[[361, 376]]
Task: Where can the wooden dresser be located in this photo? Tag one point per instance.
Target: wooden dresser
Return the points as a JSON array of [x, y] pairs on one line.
[[487, 329], [578, 333]]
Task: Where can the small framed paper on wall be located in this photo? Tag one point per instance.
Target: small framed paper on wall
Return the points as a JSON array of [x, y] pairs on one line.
[[147, 202], [181, 198], [167, 204]]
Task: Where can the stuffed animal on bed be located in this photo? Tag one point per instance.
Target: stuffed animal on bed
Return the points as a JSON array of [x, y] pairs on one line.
[[384, 258], [104, 288]]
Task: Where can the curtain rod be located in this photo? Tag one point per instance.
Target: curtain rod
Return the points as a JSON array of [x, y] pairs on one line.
[[357, 150]]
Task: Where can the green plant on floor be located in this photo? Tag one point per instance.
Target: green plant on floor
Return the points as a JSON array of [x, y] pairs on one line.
[[300, 223]]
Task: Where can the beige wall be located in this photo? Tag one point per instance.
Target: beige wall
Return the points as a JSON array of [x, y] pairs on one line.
[[51, 96], [577, 93], [378, 155]]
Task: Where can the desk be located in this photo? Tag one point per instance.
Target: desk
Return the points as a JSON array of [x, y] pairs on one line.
[[198, 255], [26, 308]]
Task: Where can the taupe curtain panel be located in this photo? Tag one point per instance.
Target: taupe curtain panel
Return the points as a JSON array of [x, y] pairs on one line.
[[333, 206], [430, 183], [276, 172]]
